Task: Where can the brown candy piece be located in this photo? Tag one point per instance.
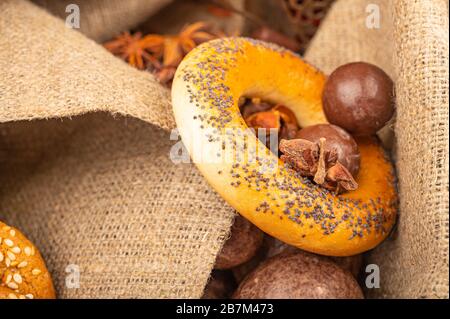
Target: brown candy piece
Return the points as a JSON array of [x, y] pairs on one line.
[[242, 245], [269, 35], [252, 106], [336, 139], [359, 97], [352, 264], [242, 270], [276, 246], [298, 275], [221, 285]]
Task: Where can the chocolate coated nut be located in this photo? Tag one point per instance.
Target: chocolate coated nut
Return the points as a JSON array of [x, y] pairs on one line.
[[359, 97]]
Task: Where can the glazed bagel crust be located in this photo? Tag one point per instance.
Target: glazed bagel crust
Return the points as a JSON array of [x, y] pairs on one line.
[[23, 274], [205, 94]]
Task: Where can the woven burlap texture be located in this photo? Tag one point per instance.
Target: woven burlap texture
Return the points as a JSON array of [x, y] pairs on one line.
[[103, 19], [412, 46], [40, 55], [98, 193]]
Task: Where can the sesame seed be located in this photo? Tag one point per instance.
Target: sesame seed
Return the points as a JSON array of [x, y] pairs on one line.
[[10, 255], [36, 271], [9, 242], [27, 251], [13, 285], [17, 278], [22, 264], [16, 250]]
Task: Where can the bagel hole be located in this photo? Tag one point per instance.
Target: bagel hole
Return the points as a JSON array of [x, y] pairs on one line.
[[262, 114]]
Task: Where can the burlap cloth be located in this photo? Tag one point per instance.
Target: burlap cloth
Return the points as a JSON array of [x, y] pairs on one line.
[[103, 19], [99, 191], [412, 46]]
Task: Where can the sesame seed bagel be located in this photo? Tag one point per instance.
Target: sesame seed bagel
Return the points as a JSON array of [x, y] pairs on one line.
[[252, 179], [23, 274]]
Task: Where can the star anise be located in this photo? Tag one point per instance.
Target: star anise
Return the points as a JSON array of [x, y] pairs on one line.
[[315, 161], [289, 125], [159, 54], [176, 47], [258, 114], [252, 106], [138, 51], [264, 120]]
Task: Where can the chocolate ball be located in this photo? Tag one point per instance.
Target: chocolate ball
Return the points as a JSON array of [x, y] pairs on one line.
[[220, 286], [359, 97], [242, 245], [337, 139], [299, 275]]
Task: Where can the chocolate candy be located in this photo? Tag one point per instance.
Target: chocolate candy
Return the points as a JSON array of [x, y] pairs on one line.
[[359, 97], [337, 139]]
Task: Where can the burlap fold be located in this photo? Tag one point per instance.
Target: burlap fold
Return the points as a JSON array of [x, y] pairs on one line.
[[98, 192], [49, 70], [102, 19]]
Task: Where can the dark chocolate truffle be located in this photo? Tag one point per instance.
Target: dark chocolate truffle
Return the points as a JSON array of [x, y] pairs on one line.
[[359, 97], [337, 139]]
